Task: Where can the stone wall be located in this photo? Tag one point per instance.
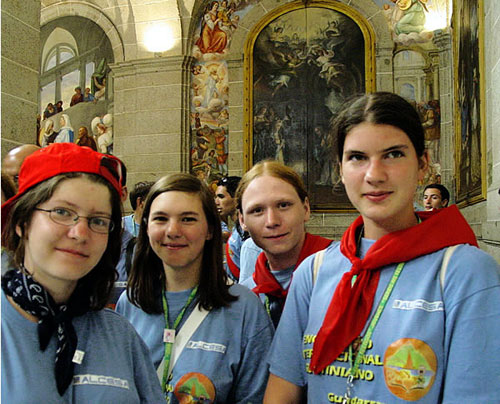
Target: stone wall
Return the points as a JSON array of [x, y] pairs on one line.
[[20, 72]]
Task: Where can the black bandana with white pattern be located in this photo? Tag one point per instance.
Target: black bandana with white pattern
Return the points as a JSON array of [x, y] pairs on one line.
[[52, 318]]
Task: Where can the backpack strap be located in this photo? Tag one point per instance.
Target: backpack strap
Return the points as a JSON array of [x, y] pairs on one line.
[[444, 265], [318, 260]]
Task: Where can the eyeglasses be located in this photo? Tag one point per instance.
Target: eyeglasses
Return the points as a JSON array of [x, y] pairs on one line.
[[68, 217]]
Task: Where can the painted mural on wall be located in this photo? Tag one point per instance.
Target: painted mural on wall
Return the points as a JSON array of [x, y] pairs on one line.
[[74, 97], [430, 115], [410, 20], [306, 63], [210, 88]]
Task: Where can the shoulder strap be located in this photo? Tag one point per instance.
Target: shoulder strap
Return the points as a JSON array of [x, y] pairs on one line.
[[444, 266], [189, 327], [318, 260]]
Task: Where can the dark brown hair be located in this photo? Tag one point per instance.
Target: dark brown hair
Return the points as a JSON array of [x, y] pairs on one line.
[[99, 281], [147, 278], [381, 108]]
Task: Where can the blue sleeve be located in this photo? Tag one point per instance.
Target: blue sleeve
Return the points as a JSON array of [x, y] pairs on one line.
[[146, 380], [248, 257], [251, 378], [472, 349], [286, 357]]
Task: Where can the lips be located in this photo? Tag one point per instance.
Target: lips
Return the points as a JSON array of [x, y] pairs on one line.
[[276, 237], [377, 196], [73, 252], [172, 246]]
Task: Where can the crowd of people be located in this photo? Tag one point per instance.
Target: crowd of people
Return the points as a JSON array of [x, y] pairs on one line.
[[225, 297]]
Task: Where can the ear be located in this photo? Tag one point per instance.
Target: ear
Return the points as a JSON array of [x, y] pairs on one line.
[[139, 202], [341, 173], [242, 221], [444, 203], [423, 165], [307, 207], [19, 231], [209, 235]]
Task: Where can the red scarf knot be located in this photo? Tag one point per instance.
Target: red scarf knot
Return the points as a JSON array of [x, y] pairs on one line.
[[266, 282]]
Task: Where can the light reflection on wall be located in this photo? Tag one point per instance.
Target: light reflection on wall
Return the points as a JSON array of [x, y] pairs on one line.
[[159, 37]]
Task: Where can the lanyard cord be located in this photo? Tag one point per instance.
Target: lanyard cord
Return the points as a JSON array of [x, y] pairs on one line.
[[373, 323], [169, 333]]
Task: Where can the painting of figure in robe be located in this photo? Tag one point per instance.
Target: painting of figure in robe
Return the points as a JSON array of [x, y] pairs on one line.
[[306, 63]]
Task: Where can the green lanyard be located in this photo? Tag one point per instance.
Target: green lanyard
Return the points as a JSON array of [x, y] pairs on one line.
[[369, 331], [169, 334]]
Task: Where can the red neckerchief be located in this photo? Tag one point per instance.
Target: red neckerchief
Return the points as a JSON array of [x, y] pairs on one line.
[[265, 281], [230, 263], [351, 305]]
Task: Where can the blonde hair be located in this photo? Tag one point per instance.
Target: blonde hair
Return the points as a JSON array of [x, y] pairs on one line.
[[274, 169]]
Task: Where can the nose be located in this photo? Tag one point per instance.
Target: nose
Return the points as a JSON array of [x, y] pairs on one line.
[[80, 230], [173, 229], [375, 172], [272, 218]]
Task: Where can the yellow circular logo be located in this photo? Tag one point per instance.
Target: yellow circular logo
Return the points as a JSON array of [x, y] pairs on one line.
[[195, 388], [410, 367]]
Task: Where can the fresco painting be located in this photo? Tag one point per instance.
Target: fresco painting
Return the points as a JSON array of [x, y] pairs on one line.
[[306, 63], [210, 89]]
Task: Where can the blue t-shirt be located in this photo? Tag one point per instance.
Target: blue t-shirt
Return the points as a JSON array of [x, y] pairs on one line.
[[234, 245], [225, 357], [129, 224], [428, 346], [248, 257], [116, 366]]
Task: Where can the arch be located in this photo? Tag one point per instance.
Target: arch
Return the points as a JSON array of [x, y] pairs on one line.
[[93, 13], [303, 70]]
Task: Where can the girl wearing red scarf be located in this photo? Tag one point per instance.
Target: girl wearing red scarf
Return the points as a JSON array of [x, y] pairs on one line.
[[376, 323], [274, 208]]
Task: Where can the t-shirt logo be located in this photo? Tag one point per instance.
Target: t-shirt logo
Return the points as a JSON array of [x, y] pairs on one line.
[[410, 368], [195, 388]]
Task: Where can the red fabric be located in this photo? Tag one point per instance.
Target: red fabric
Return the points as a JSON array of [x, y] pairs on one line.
[[230, 263], [350, 306], [59, 158], [264, 279]]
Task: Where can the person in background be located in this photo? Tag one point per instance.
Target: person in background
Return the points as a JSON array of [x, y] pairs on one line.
[[249, 254], [88, 96], [49, 111], [408, 318], [83, 138], [63, 229], [77, 97], [436, 196], [48, 134], [274, 208], [8, 191], [137, 196], [178, 291], [66, 133], [8, 187], [13, 160], [226, 205], [58, 107]]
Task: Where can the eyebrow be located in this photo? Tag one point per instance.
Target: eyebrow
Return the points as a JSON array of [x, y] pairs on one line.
[[75, 206], [389, 149], [186, 213]]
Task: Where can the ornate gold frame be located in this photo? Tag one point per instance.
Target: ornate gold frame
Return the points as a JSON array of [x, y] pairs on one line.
[[462, 196], [368, 34]]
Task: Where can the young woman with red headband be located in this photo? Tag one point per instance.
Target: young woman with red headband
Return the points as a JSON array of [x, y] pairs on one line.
[[63, 229], [386, 315]]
